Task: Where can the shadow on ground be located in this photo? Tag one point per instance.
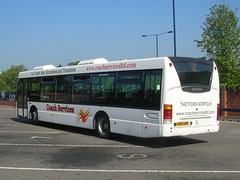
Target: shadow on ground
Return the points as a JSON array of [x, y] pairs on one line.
[[147, 142]]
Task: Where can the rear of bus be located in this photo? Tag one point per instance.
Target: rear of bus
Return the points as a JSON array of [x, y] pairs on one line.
[[190, 97]]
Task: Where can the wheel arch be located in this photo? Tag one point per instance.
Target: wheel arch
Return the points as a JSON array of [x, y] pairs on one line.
[[32, 109], [99, 113]]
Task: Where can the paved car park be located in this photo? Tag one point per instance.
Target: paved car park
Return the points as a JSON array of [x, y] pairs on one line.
[[50, 151]]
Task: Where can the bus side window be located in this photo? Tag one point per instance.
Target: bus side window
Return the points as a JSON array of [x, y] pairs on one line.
[[47, 89], [129, 89], [63, 89], [81, 93], [48, 92], [129, 94], [152, 89], [20, 93], [34, 89], [81, 89], [103, 89]]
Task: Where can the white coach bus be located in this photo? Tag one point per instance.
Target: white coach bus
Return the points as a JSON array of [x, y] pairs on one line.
[[155, 97]]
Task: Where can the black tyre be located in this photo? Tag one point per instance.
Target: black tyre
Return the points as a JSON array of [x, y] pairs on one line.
[[103, 126], [34, 116]]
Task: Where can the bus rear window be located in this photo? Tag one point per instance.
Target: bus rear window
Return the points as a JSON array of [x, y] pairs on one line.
[[193, 72]]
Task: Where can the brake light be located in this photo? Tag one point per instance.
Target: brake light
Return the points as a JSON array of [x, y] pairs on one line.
[[218, 112], [167, 111]]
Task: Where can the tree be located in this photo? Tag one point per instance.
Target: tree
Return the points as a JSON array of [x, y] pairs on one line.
[[221, 43], [2, 83], [9, 78], [73, 63]]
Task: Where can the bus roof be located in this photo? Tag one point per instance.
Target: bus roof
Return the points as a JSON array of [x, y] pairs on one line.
[[94, 66], [102, 65]]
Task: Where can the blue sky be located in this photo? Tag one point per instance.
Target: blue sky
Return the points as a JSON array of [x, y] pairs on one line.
[[40, 32]]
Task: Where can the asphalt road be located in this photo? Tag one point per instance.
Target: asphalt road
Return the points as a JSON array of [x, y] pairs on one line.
[[52, 151]]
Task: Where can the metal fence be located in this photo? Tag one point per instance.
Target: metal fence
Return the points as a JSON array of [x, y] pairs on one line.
[[8, 96], [230, 109]]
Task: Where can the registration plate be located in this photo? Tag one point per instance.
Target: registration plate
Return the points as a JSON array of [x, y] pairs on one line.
[[182, 123]]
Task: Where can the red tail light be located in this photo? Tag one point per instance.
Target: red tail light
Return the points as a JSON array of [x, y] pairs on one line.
[[218, 112], [167, 111]]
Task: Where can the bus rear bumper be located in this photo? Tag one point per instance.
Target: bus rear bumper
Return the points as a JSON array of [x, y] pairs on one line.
[[169, 130]]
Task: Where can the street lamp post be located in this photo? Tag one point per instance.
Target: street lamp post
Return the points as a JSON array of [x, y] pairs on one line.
[[174, 30], [156, 35]]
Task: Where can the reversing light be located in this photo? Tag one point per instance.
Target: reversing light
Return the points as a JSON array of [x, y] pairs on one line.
[[167, 114]]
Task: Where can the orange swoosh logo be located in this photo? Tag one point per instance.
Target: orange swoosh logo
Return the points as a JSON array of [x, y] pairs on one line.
[[83, 115]]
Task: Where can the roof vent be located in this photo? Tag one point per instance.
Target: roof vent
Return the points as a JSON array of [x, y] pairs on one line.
[[50, 66], [93, 61]]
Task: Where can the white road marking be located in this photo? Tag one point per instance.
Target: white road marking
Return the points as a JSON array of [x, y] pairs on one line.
[[30, 132], [72, 145], [39, 137], [132, 156], [118, 170]]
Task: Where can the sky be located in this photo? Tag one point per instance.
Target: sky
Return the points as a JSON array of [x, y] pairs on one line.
[[40, 32]]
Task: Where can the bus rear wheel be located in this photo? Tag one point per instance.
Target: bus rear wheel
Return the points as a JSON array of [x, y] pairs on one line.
[[103, 127]]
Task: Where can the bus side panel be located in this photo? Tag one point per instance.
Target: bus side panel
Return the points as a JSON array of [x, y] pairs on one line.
[[215, 78], [125, 121], [22, 112], [72, 115], [122, 120], [151, 123], [43, 115]]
